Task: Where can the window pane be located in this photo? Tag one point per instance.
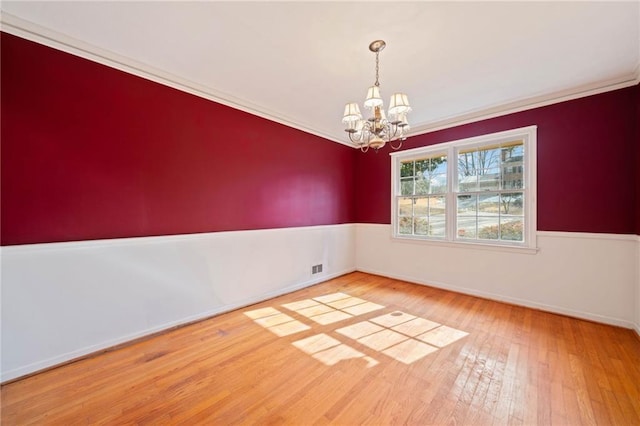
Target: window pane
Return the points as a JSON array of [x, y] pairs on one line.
[[421, 207], [466, 227], [437, 226], [439, 165], [438, 183], [405, 225], [467, 183], [422, 185], [512, 166], [467, 164], [487, 228], [405, 206], [437, 206], [406, 186], [512, 175], [406, 169], [421, 225], [479, 169], [489, 159], [511, 203], [513, 152], [488, 204], [511, 228], [467, 204], [422, 166], [431, 175], [489, 179]]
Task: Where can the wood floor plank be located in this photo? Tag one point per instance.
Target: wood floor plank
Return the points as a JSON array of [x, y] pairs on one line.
[[489, 363]]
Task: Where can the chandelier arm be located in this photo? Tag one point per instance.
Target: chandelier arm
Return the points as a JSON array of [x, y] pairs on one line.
[[393, 134], [395, 148], [365, 134], [356, 140]]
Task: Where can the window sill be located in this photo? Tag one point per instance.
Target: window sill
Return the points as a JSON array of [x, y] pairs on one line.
[[467, 245]]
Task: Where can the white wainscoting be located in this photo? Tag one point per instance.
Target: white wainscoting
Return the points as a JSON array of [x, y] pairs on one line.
[[637, 324], [584, 275], [61, 301]]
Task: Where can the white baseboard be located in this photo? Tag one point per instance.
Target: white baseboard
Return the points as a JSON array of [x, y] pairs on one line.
[[511, 300]]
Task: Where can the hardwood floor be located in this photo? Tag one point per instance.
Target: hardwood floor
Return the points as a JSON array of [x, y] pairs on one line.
[[400, 353]]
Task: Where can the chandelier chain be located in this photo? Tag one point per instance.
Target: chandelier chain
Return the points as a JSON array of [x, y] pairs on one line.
[[377, 83]]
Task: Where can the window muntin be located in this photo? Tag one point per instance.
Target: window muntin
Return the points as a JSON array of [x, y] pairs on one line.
[[479, 190]]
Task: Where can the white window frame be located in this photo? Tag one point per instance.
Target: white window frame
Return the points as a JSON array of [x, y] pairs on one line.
[[527, 134]]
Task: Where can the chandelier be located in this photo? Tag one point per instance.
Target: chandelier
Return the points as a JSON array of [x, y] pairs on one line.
[[376, 130]]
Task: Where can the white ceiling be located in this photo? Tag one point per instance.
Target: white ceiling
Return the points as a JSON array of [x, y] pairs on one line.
[[298, 63]]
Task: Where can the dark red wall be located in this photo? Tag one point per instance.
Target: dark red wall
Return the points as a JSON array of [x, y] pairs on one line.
[[90, 152], [637, 165], [587, 164]]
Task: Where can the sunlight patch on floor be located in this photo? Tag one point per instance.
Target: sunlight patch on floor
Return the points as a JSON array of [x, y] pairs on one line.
[[409, 351], [331, 297], [399, 335], [363, 308], [402, 336], [345, 303], [394, 318], [332, 308], [415, 326], [359, 329], [330, 351], [442, 336], [314, 310], [275, 321], [330, 317], [261, 313], [382, 339]]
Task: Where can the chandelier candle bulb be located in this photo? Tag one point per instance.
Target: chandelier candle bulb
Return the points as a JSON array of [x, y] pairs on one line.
[[376, 131], [402, 122]]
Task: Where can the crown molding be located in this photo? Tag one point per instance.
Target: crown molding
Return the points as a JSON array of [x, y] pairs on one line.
[[28, 30], [19, 27], [498, 110]]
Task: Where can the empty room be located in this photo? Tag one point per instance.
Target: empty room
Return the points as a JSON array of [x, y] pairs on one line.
[[306, 213]]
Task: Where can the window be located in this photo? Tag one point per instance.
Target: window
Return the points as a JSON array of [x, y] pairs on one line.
[[479, 190], [422, 200]]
